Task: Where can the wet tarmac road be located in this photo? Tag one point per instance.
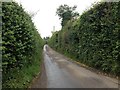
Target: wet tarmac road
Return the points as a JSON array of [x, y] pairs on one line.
[[61, 73]]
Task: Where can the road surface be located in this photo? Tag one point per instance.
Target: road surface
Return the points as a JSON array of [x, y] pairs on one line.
[[62, 73]]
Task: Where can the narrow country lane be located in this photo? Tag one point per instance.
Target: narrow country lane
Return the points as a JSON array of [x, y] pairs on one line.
[[62, 73]]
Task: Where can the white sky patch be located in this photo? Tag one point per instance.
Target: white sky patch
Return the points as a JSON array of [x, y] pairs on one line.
[[46, 18]]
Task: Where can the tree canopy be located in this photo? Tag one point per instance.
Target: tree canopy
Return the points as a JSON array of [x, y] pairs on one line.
[[66, 13]]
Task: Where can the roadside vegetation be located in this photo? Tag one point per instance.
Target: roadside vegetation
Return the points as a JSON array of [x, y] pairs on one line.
[[92, 38], [21, 47]]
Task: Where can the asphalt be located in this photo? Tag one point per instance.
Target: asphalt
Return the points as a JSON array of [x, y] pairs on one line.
[[60, 72]]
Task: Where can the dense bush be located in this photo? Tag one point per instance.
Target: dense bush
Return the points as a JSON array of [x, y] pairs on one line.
[[21, 43], [94, 38]]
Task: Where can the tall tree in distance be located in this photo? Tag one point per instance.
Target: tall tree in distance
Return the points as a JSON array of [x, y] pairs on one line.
[[66, 13]]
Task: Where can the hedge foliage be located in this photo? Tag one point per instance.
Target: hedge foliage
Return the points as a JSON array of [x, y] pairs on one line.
[[93, 38], [21, 43]]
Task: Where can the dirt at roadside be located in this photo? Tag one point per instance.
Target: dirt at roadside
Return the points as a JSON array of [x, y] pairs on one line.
[[41, 80]]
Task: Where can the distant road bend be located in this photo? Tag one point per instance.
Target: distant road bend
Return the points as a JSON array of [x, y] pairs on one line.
[[62, 73]]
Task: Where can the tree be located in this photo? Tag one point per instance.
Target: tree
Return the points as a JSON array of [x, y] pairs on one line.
[[66, 13]]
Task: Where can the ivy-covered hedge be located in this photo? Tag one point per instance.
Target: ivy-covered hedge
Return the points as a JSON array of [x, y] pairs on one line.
[[93, 38], [21, 43]]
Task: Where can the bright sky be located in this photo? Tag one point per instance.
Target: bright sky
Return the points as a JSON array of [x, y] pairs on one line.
[[46, 18]]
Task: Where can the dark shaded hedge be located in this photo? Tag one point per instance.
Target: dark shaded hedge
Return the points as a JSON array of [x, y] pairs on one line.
[[94, 38], [20, 40]]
